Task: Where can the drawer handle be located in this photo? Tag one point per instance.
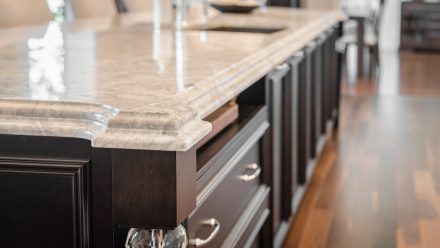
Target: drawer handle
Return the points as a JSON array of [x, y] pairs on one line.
[[312, 44], [197, 242], [257, 172], [299, 54], [282, 67]]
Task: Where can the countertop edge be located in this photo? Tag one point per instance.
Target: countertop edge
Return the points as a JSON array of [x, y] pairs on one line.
[[171, 130]]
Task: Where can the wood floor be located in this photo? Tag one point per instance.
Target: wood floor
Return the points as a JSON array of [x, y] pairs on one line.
[[378, 181]]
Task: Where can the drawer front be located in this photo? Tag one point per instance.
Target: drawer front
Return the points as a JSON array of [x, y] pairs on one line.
[[246, 231], [255, 244], [226, 202]]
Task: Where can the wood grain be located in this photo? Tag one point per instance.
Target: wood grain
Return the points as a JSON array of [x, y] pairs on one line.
[[378, 181]]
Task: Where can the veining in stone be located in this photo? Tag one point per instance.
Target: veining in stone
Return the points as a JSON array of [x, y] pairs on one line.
[[122, 84]]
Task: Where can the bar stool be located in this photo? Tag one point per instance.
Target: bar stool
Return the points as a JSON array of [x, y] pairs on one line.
[[371, 38], [370, 35]]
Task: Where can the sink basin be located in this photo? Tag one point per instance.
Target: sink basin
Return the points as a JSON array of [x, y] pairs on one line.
[[244, 29]]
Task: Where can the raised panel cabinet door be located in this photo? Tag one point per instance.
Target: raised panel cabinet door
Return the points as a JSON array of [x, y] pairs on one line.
[[276, 79], [305, 111], [303, 128], [290, 134], [44, 203], [312, 78], [337, 61], [328, 79], [324, 83]]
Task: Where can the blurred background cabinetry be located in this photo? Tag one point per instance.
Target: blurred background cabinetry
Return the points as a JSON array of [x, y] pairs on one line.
[[420, 27]]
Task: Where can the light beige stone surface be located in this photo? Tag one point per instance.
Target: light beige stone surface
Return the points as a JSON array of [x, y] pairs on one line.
[[122, 84]]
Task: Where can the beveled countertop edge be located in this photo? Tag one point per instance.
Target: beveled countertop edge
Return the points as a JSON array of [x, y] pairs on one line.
[[103, 125], [227, 85]]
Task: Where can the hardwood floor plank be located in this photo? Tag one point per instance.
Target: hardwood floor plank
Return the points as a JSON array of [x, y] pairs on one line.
[[378, 181]]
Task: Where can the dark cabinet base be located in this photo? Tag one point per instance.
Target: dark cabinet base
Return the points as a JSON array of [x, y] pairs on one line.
[[44, 203], [61, 192], [420, 26]]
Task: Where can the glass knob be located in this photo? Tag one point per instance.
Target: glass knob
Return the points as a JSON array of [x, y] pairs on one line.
[[157, 238]]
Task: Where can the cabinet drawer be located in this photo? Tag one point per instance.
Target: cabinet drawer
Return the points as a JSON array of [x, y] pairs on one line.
[[246, 231], [224, 198], [212, 157]]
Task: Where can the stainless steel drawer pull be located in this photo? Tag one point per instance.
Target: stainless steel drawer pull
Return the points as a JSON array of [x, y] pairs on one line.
[[197, 242], [282, 67], [299, 54], [257, 172], [312, 44]]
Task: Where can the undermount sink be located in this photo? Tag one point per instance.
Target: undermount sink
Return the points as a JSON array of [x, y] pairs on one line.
[[244, 29]]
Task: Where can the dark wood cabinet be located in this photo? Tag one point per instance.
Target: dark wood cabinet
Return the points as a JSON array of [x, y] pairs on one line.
[[323, 82], [226, 195], [62, 192], [277, 80], [248, 228], [331, 77], [44, 203], [420, 25], [291, 141], [162, 182], [305, 112]]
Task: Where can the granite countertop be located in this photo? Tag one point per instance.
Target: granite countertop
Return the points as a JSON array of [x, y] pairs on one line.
[[122, 84]]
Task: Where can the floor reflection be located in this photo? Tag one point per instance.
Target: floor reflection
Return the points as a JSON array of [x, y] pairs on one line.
[[376, 184], [399, 73], [389, 73]]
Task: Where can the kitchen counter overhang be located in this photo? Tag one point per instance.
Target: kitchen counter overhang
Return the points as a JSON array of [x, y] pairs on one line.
[[144, 89]]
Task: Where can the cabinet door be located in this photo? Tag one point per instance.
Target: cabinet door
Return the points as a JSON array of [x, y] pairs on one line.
[[327, 102], [290, 134], [276, 79], [316, 76], [44, 203], [324, 83], [331, 74], [305, 124], [311, 84], [336, 76]]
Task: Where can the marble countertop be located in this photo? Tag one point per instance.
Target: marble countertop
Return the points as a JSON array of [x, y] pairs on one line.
[[122, 84]]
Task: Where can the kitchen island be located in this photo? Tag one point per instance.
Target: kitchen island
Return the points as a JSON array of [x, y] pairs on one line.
[[110, 124]]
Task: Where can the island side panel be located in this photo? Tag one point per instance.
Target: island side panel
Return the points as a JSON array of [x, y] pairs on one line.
[[153, 189], [45, 190]]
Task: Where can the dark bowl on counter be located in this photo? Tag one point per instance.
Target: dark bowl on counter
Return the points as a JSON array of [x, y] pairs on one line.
[[234, 8]]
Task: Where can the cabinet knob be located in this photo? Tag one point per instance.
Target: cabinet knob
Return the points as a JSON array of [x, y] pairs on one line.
[[257, 172], [197, 242]]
